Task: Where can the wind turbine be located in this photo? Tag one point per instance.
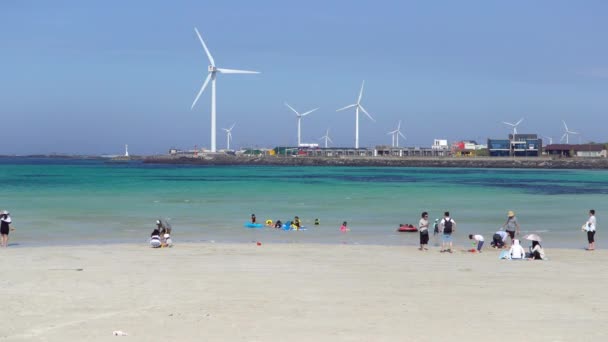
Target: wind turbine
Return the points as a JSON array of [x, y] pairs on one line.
[[326, 137], [550, 140], [396, 133], [228, 135], [299, 117], [357, 106], [126, 150], [213, 70], [567, 133], [514, 125]]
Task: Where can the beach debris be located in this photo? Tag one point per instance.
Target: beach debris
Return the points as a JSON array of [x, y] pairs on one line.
[[119, 333], [258, 243]]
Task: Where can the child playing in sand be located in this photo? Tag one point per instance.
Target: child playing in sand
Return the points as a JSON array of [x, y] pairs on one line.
[[155, 238], [479, 239], [343, 227]]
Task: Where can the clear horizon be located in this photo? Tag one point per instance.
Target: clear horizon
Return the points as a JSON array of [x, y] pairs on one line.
[[88, 78]]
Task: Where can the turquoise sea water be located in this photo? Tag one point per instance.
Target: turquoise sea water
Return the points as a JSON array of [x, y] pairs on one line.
[[56, 201]]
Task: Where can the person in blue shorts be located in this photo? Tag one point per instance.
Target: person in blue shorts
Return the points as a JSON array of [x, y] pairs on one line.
[[447, 227]]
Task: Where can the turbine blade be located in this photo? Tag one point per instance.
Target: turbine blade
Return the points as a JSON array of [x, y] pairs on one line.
[[574, 132], [361, 92], [563, 136], [290, 107], [508, 123], [328, 138], [231, 127], [366, 113], [401, 134], [399, 125], [234, 71], [310, 111], [205, 47], [201, 91], [347, 107], [518, 122], [565, 126]]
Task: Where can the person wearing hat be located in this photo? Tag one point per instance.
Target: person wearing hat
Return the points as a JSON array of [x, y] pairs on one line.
[[5, 221], [512, 227]]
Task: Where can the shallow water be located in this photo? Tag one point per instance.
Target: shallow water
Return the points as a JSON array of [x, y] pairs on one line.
[[60, 201]]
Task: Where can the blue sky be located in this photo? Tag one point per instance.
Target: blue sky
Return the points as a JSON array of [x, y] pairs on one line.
[[91, 76]]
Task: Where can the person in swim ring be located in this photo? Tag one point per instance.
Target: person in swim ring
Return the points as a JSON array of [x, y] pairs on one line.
[[278, 224], [344, 227], [252, 218], [317, 222], [296, 223], [269, 223]]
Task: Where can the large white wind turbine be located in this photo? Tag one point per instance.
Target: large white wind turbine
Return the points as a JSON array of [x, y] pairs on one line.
[[395, 135], [550, 140], [228, 135], [358, 106], [514, 125], [213, 70], [567, 133], [326, 138], [299, 118]]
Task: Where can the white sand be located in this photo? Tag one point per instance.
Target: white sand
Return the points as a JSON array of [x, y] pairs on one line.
[[288, 292]]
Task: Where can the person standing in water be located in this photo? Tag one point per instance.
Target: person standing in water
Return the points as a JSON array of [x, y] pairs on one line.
[[344, 227], [423, 228], [252, 218]]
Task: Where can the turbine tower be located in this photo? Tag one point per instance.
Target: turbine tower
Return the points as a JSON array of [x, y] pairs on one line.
[[326, 138], [357, 106], [567, 133], [228, 136], [514, 125], [395, 135], [126, 150], [213, 70], [299, 118]]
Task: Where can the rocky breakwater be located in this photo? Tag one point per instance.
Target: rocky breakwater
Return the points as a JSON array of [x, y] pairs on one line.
[[464, 162]]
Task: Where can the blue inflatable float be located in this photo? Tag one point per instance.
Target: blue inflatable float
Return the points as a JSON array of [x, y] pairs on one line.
[[253, 225]]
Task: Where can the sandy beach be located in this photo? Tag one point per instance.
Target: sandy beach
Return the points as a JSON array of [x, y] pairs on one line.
[[299, 292]]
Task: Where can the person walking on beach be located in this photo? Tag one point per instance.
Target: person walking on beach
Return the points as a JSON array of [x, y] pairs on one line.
[[512, 225], [447, 226], [5, 221], [590, 226], [423, 228]]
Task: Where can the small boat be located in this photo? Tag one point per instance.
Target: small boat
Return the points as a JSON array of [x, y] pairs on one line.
[[407, 228]]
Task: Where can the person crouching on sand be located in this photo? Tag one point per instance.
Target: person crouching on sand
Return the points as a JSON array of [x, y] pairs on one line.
[[344, 227], [155, 238], [479, 239]]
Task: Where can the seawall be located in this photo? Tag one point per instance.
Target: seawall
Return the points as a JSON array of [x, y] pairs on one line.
[[457, 162]]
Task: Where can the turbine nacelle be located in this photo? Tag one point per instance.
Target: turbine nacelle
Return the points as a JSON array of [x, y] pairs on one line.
[[212, 68]]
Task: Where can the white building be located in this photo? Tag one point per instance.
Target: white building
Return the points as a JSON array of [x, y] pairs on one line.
[[440, 144]]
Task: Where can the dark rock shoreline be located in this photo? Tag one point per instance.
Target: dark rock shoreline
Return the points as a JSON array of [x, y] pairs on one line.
[[458, 162]]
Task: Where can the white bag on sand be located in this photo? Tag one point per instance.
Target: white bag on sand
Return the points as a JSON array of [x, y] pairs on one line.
[[119, 333]]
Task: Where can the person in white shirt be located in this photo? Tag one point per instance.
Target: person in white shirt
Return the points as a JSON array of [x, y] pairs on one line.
[[423, 228], [590, 228], [479, 239], [517, 251]]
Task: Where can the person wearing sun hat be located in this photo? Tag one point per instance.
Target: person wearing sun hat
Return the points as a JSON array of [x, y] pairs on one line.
[[512, 226]]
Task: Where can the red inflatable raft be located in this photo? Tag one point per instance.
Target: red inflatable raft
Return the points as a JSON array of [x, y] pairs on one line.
[[407, 228]]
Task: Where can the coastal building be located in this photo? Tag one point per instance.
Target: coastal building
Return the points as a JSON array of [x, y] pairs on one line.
[[580, 150], [440, 144], [517, 145], [467, 148]]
